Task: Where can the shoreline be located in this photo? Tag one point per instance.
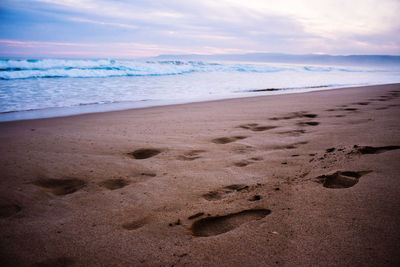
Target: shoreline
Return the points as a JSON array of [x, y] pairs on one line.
[[294, 179], [59, 112]]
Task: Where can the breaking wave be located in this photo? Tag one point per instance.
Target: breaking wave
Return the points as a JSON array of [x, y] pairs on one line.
[[11, 69]]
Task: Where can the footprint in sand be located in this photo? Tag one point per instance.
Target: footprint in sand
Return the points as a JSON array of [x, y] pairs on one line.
[[8, 209], [226, 140], [341, 179], [293, 132], [134, 224], [113, 184], [373, 150], [310, 116], [295, 115], [362, 103], [308, 123], [244, 163], [148, 174], [222, 192], [244, 149], [144, 153], [191, 155], [212, 226], [291, 146], [391, 96], [60, 187], [255, 198], [256, 128]]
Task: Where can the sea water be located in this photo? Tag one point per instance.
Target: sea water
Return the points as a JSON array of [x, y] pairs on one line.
[[38, 88]]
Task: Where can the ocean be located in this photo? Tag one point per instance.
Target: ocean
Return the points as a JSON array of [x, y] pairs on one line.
[[40, 88]]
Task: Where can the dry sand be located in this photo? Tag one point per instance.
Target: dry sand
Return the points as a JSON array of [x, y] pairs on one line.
[[301, 179]]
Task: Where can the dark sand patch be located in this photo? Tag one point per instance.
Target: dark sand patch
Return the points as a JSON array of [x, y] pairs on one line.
[[291, 146], [175, 223], [144, 153], [341, 179], [243, 149], [295, 115], [197, 215], [248, 126], [374, 150], [113, 184], [215, 195], [191, 155], [226, 140], [134, 225], [242, 163], [256, 128], [255, 198], [222, 192], [148, 174], [57, 262], [308, 123], [8, 209], [262, 128], [194, 152], [237, 187], [212, 226], [308, 115], [294, 132], [287, 147], [60, 187], [187, 158]]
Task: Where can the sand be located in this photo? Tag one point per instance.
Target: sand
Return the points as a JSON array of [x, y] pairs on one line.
[[300, 179]]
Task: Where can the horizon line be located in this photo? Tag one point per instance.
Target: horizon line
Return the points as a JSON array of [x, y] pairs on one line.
[[71, 56]]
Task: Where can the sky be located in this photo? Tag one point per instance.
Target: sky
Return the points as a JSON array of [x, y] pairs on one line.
[[142, 28]]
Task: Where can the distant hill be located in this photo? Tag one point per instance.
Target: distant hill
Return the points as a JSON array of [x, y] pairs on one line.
[[289, 58]]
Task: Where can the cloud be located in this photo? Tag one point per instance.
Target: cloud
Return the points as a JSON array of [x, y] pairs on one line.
[[178, 26], [116, 49], [121, 25]]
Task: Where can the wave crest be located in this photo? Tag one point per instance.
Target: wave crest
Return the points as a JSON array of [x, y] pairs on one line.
[[99, 68]]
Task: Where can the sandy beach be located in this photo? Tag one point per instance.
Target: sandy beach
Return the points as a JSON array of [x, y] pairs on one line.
[[300, 179]]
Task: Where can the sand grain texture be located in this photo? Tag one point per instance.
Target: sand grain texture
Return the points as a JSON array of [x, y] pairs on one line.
[[306, 179]]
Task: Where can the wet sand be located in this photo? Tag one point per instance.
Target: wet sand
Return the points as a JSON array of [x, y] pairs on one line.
[[300, 179]]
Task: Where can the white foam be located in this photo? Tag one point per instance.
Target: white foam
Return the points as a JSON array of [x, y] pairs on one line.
[[87, 83]]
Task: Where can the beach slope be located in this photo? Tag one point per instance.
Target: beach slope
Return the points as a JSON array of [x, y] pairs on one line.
[[298, 179]]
